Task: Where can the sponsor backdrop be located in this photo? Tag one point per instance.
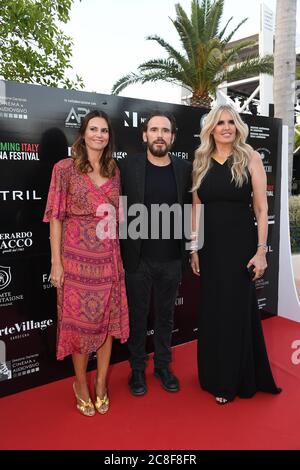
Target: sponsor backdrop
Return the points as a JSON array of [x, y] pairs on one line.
[[37, 128]]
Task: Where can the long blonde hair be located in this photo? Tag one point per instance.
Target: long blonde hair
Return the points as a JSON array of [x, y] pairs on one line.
[[241, 151]]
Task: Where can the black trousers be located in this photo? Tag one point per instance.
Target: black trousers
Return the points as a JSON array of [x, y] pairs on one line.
[[164, 277]]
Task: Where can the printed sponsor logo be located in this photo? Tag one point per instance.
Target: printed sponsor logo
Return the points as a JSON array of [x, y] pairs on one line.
[[12, 107], [201, 124], [258, 132], [7, 298], [270, 190], [25, 195], [46, 279], [5, 371], [2, 352], [15, 242], [266, 157], [19, 367], [182, 155], [25, 326], [25, 365], [179, 301], [119, 155], [265, 154], [5, 277], [75, 116], [133, 119], [19, 151]]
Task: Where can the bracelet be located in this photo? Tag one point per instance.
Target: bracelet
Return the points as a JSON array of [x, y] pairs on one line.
[[262, 245], [194, 246]]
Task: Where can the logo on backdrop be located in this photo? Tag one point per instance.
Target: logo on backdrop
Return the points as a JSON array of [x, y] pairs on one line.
[[202, 122], [7, 298], [5, 276], [270, 190], [182, 155], [265, 154], [17, 367], [75, 116], [19, 151], [5, 366], [133, 119], [266, 158], [46, 281], [26, 195], [12, 107], [13, 242], [119, 155], [26, 326], [5, 371], [2, 351]]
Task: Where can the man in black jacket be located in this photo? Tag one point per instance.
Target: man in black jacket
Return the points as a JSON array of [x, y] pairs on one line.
[[153, 253]]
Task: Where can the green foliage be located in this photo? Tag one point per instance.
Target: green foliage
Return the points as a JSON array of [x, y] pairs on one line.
[[33, 49], [297, 137], [206, 59], [294, 212]]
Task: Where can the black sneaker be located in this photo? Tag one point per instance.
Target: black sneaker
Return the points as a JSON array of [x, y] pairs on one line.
[[167, 379], [137, 382]]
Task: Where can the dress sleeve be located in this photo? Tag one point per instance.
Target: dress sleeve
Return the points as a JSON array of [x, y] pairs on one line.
[[57, 195], [120, 207]]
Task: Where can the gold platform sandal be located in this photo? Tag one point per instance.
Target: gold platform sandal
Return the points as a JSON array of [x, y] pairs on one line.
[[101, 404], [86, 408]]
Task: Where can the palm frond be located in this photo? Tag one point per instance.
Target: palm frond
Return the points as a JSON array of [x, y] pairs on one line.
[[166, 66], [197, 18], [250, 67], [125, 81], [228, 38], [205, 60], [222, 32], [188, 35], [170, 50], [214, 18]]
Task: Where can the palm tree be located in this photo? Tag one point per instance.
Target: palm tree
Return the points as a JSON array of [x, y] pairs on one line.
[[284, 69], [207, 59]]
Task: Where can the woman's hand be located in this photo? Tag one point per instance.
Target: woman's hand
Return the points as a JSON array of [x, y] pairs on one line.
[[260, 264], [195, 264], [57, 274]]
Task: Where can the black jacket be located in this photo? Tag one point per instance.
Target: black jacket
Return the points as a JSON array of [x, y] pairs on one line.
[[132, 171]]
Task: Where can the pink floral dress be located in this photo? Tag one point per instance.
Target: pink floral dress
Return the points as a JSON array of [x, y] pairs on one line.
[[92, 302]]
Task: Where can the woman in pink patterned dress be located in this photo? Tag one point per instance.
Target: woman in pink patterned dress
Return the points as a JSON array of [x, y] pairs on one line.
[[87, 268]]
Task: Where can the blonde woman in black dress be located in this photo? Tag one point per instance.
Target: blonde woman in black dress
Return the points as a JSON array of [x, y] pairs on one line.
[[230, 180]]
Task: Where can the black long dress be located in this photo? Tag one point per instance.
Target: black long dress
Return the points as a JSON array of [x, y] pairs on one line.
[[232, 357]]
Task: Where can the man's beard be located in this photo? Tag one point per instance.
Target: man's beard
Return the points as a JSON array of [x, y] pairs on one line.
[[159, 151]]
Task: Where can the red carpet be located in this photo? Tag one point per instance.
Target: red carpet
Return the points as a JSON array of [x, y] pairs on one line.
[[46, 417]]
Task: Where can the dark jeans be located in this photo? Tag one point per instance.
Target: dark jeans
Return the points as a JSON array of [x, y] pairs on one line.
[[164, 277]]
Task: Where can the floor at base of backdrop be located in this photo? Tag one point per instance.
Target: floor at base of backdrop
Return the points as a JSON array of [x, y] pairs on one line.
[[46, 418]]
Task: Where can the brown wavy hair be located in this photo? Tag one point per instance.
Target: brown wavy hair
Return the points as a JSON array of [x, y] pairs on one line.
[[79, 152]]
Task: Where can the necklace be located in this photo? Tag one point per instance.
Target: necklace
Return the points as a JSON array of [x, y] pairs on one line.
[[219, 158]]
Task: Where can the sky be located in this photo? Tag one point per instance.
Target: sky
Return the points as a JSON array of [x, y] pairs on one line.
[[109, 39]]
